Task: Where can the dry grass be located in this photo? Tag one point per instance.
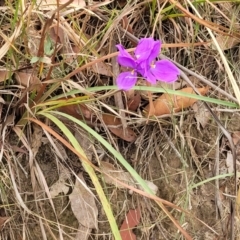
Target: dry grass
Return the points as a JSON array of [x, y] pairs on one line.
[[48, 53]]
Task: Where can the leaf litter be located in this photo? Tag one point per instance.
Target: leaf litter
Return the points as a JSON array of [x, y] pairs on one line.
[[160, 163]]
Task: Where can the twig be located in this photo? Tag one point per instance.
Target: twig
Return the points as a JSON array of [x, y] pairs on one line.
[[118, 95]]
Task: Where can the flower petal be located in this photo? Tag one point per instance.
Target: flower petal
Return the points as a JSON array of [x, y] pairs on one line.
[[150, 77], [126, 80], [147, 49], [124, 58], [165, 71]]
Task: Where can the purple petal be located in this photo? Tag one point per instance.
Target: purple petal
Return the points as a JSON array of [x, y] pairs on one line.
[[147, 49], [124, 58], [150, 77], [126, 80], [165, 71]]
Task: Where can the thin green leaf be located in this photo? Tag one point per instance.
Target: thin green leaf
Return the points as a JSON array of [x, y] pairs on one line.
[[115, 153], [91, 172]]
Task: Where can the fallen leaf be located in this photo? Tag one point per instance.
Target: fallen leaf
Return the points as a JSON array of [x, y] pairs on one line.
[[36, 140], [102, 68], [132, 219], [85, 141], [118, 174], [84, 207], [67, 50], [122, 176], [27, 79], [133, 100], [52, 4], [2, 222], [81, 112], [60, 185], [229, 162], [114, 124], [168, 103], [236, 137], [226, 42], [202, 115], [4, 74]]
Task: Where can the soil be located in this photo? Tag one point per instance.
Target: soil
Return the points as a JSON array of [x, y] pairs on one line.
[[157, 162]]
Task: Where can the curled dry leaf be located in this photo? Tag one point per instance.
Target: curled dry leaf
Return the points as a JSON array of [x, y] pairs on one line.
[[168, 103], [84, 207], [132, 219]]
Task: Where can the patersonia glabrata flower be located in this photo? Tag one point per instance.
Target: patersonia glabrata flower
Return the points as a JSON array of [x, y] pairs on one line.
[[144, 63]]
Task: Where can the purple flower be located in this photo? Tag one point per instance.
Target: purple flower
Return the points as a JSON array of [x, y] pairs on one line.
[[144, 63]]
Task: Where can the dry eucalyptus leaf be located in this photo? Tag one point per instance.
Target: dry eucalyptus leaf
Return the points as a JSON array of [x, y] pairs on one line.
[[83, 204], [168, 103]]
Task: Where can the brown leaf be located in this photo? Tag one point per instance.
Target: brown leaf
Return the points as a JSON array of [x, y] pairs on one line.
[[168, 103], [60, 186], [52, 4], [122, 176], [27, 79], [131, 220], [2, 221], [118, 174], [83, 206], [102, 68], [226, 42], [202, 115], [133, 100], [4, 74], [81, 112], [116, 128], [236, 137]]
